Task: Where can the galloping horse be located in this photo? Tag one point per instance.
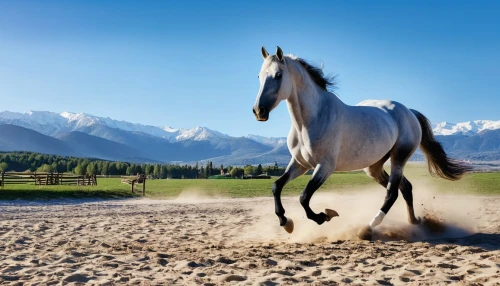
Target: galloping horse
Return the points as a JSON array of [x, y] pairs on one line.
[[327, 135]]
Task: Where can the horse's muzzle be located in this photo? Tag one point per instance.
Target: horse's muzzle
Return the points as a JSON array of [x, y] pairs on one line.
[[261, 113]]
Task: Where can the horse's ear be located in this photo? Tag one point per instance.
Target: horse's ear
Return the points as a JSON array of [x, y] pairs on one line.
[[279, 53], [265, 54]]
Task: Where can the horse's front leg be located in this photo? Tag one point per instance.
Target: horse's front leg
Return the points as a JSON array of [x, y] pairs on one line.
[[321, 173], [292, 171]]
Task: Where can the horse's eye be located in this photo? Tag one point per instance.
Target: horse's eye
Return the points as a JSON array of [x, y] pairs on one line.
[[278, 75]]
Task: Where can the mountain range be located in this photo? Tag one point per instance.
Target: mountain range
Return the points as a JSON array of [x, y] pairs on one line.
[[85, 135], [465, 128]]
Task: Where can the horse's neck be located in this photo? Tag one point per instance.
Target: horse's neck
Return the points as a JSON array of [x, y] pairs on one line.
[[308, 100], [303, 108]]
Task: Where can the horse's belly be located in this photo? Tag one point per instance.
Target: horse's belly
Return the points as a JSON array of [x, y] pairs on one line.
[[360, 154], [357, 163]]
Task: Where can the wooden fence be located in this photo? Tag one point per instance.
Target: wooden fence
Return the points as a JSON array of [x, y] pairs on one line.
[[134, 181], [41, 178]]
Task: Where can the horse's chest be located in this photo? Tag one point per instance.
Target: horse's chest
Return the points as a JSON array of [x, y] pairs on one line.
[[303, 152]]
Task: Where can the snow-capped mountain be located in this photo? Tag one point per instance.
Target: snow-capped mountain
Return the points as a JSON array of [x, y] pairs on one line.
[[102, 137], [51, 124], [464, 128], [76, 121], [198, 134], [42, 121], [85, 135]]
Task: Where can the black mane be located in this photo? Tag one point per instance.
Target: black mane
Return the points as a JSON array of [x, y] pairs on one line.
[[322, 80]]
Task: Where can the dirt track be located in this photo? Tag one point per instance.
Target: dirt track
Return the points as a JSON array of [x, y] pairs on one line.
[[238, 241]]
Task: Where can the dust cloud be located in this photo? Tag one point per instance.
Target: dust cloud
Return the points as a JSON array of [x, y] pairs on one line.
[[443, 216]]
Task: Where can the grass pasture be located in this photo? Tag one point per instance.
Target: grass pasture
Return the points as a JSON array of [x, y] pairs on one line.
[[476, 183]]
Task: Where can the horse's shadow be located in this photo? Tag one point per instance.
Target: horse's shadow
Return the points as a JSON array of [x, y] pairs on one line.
[[485, 241], [438, 233]]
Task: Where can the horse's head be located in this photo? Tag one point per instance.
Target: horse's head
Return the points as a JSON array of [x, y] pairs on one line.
[[275, 84]]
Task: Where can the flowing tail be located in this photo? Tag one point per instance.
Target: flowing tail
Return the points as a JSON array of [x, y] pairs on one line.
[[437, 160]]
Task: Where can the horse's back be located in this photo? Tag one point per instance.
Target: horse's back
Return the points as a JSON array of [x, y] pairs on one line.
[[408, 128], [388, 106]]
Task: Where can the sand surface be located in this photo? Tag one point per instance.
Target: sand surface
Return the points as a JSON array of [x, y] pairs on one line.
[[215, 241]]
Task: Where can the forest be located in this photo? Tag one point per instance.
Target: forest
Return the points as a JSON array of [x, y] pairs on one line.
[[35, 162]]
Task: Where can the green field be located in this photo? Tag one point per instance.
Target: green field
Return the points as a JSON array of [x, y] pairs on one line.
[[476, 183]]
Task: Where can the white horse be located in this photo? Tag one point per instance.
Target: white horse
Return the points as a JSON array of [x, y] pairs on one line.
[[327, 135]]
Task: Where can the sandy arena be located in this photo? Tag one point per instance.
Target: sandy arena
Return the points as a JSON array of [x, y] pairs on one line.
[[217, 241]]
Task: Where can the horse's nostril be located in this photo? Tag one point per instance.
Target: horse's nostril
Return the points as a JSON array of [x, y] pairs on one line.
[[262, 111], [253, 110]]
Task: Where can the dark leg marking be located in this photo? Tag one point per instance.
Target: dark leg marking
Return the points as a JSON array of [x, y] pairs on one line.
[[293, 171], [278, 206], [406, 191], [392, 190], [399, 156], [306, 195], [381, 177]]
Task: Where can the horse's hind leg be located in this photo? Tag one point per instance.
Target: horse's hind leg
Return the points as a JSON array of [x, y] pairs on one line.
[[398, 160], [406, 190], [391, 183], [377, 172], [392, 194]]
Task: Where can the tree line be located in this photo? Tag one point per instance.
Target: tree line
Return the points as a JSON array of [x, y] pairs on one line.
[[35, 162]]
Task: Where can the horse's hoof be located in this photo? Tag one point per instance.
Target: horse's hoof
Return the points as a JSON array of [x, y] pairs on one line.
[[416, 221], [365, 233], [288, 225], [330, 214]]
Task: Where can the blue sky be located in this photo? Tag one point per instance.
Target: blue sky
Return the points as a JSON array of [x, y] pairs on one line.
[[195, 63]]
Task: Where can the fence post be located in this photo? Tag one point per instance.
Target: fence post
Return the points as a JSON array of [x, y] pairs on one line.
[[3, 183], [144, 187]]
